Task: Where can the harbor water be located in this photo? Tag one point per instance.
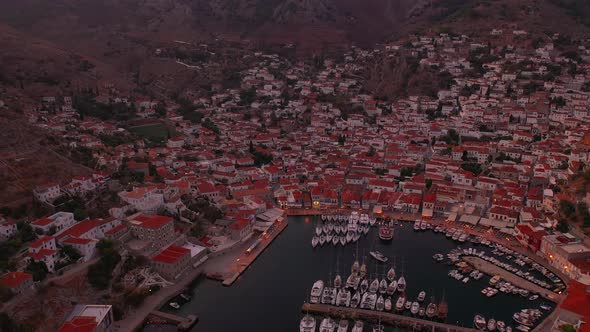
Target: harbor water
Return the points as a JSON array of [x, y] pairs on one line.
[[269, 295]]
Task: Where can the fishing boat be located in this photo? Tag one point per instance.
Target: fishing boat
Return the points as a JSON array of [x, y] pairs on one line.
[[327, 325], [415, 308], [383, 286], [501, 326], [421, 296], [343, 325], [391, 274], [378, 256], [533, 297], [401, 284], [307, 324], [391, 288], [316, 291], [431, 309], [359, 326], [479, 322], [399, 304], [386, 232], [380, 304], [388, 304], [174, 305]]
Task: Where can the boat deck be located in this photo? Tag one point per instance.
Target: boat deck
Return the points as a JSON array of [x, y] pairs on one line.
[[385, 318]]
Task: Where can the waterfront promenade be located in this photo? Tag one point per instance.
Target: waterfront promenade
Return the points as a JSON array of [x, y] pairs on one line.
[[384, 317], [248, 257], [492, 269]]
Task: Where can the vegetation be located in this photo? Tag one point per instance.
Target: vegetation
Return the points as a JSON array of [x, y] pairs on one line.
[[86, 105], [38, 270], [451, 138], [100, 273], [9, 324]]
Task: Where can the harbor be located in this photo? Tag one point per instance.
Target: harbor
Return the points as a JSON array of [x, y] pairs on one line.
[[491, 269], [387, 318]]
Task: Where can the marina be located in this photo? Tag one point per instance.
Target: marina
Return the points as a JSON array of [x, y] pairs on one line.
[[290, 267], [386, 318]]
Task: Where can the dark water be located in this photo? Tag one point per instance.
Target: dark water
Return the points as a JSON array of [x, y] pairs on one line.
[[269, 295]]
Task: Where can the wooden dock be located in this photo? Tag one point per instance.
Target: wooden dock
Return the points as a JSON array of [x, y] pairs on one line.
[[247, 258], [512, 278], [387, 318]]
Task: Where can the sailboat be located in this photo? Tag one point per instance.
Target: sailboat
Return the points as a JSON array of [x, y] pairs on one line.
[[391, 288], [401, 284], [356, 299], [380, 305], [388, 304], [307, 324], [391, 274], [383, 286], [374, 287]]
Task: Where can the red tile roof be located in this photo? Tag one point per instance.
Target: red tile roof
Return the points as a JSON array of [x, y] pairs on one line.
[[77, 240], [42, 222], [79, 324], [116, 229], [239, 225], [80, 228], [171, 254], [153, 221], [39, 242], [14, 279]]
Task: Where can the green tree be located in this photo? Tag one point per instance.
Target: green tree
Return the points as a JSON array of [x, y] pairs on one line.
[[160, 110], [100, 274], [38, 270], [428, 183]]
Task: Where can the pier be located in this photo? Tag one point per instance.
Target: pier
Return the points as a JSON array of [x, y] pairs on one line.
[[382, 316], [182, 323], [492, 269], [248, 257]]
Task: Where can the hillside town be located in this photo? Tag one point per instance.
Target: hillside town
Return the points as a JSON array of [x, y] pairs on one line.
[[502, 144]]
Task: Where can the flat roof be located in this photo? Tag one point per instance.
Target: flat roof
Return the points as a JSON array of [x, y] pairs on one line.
[[575, 248]]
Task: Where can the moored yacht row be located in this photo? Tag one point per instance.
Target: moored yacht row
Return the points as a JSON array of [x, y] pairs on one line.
[[327, 324], [341, 229]]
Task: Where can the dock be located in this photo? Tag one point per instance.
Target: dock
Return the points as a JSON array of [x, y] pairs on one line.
[[492, 269], [247, 258], [182, 323], [384, 317]]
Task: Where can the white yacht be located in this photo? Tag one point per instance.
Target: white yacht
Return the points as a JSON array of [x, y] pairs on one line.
[[380, 305], [322, 239], [364, 285], [401, 284], [421, 296], [356, 299], [378, 256], [391, 288], [329, 295], [343, 325], [315, 241], [358, 326], [318, 230], [399, 304], [307, 324], [415, 308], [388, 304], [327, 325], [343, 298], [316, 291], [391, 274], [383, 286], [374, 287]]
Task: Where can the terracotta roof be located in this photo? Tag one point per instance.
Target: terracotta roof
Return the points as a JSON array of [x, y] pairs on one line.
[[79, 324], [153, 221], [38, 243], [171, 254], [14, 279]]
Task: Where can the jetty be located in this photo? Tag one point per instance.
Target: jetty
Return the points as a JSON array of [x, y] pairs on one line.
[[492, 269], [382, 316], [182, 323], [248, 257]]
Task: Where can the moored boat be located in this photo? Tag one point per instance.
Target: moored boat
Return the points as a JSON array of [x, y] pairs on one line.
[[316, 291], [307, 324], [479, 322]]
